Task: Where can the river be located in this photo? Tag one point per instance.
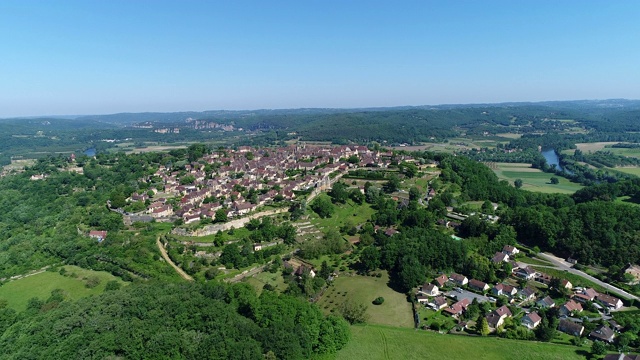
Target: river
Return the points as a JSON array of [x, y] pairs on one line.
[[551, 156]]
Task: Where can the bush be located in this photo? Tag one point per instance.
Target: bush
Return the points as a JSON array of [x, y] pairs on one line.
[[92, 282], [378, 301]]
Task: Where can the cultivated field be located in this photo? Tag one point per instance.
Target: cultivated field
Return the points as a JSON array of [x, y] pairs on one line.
[[375, 342], [532, 179], [18, 292], [395, 310], [593, 147]]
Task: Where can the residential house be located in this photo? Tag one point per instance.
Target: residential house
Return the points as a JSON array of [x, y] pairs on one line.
[[458, 308], [609, 301], [527, 294], [478, 285], [585, 295], [622, 357], [543, 278], [526, 273], [438, 303], [531, 320], [497, 316], [510, 250], [429, 289], [458, 279], [504, 290], [566, 284], [570, 307], [499, 257], [422, 299], [98, 235], [602, 333], [570, 327], [441, 280], [546, 302]]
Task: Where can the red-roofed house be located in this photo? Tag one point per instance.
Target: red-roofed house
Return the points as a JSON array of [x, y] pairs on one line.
[[98, 235], [531, 320]]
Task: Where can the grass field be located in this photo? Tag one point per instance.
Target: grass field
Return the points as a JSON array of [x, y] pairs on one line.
[[533, 179], [18, 292], [395, 310], [375, 342], [349, 212], [260, 280], [629, 170]]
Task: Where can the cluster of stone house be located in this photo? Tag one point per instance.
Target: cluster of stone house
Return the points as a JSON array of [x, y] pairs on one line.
[[267, 170]]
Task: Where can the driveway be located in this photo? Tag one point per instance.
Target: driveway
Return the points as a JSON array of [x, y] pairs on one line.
[[466, 295]]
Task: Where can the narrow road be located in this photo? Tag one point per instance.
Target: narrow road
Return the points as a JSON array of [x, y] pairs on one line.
[[563, 265], [166, 258]]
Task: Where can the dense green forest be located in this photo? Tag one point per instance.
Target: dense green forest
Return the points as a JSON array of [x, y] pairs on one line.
[[164, 320]]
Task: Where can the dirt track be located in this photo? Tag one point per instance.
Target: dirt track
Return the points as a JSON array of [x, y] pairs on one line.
[[166, 258]]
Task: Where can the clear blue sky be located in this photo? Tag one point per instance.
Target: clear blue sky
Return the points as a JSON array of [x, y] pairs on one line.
[[95, 57]]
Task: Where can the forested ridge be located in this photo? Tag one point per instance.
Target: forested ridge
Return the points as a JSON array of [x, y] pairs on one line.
[[166, 320]]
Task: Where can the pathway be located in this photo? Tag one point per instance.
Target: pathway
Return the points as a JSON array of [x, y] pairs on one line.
[[166, 258]]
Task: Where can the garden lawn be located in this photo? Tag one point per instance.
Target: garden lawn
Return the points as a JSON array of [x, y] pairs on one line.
[[395, 310], [18, 292], [534, 179], [375, 342]]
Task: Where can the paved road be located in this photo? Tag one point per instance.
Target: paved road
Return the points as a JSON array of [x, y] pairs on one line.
[[166, 257], [566, 266]]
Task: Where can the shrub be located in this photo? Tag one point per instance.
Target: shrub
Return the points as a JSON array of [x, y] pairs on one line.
[[378, 301]]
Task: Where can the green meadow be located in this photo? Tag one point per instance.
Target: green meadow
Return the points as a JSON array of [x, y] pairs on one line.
[[395, 310], [74, 284], [534, 179], [377, 342]]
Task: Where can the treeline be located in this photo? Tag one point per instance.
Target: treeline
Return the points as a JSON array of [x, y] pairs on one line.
[[159, 320], [583, 226]]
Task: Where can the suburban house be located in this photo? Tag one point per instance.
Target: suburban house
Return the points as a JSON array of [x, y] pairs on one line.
[[458, 308], [497, 316], [531, 320], [570, 307], [422, 299], [570, 327], [585, 295], [510, 250], [458, 279], [566, 284], [478, 285], [504, 289], [499, 257], [429, 289], [609, 301], [602, 333], [527, 294], [438, 303], [441, 280], [546, 302], [98, 235], [621, 357], [526, 273]]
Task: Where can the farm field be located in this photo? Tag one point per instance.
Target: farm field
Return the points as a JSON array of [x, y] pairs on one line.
[[18, 292], [593, 147], [395, 310], [375, 342], [628, 170], [533, 179]]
